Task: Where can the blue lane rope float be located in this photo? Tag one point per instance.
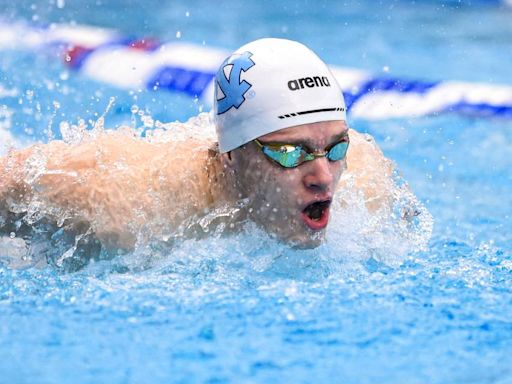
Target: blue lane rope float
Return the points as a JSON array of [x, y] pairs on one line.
[[138, 64]]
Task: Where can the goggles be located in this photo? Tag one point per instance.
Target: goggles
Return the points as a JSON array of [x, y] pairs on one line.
[[293, 155]]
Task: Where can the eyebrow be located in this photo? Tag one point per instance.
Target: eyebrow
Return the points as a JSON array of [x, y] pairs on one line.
[[308, 145]]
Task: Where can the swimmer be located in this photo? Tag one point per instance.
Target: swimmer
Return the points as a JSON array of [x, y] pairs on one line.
[[283, 146]]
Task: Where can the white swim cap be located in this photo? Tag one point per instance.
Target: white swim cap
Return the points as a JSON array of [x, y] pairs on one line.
[[271, 84]]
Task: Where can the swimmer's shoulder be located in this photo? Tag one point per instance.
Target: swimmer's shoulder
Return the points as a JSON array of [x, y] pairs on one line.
[[368, 171], [364, 155]]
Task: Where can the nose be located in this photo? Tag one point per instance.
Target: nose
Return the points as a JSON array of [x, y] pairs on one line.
[[319, 176]]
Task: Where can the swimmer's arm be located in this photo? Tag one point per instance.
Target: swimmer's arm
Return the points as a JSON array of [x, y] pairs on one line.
[[11, 189], [116, 183], [57, 181]]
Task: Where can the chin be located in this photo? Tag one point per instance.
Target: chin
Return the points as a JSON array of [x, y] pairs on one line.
[[309, 243], [305, 240], [294, 234]]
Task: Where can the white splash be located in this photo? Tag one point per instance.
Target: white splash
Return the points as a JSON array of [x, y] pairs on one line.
[[355, 234]]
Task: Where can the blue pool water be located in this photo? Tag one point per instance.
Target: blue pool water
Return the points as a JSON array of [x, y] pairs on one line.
[[364, 307]]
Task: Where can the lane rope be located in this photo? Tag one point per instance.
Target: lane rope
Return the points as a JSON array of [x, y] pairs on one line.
[[137, 64]]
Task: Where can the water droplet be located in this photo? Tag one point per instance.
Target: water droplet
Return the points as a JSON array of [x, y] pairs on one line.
[[134, 109], [148, 121], [12, 235], [178, 34], [61, 4]]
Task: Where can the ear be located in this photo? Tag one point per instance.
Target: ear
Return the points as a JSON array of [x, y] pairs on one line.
[[234, 159], [228, 163], [226, 159]]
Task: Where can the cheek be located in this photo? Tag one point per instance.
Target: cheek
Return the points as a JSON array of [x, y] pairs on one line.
[[257, 178], [290, 181], [270, 184], [284, 190]]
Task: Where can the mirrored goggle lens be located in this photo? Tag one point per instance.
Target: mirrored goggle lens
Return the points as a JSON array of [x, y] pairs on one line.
[[338, 152], [288, 159]]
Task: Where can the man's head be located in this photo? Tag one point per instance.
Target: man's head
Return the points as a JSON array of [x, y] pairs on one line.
[[279, 92]]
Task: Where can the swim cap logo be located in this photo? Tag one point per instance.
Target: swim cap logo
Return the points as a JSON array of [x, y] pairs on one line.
[[229, 84], [310, 82]]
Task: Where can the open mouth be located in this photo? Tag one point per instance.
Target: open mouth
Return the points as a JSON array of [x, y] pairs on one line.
[[316, 215]]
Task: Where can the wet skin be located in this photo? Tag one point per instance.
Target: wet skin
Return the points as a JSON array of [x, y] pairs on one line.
[[128, 189], [278, 197]]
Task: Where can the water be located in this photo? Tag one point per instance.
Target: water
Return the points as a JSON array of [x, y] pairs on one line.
[[368, 306]]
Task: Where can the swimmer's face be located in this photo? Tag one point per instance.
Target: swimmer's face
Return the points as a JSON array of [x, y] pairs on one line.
[[292, 203]]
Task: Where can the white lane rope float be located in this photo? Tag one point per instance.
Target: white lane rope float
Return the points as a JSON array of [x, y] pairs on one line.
[[131, 63]]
